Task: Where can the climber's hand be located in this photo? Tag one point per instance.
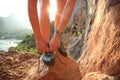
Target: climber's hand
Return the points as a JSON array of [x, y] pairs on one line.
[[42, 46], [55, 43]]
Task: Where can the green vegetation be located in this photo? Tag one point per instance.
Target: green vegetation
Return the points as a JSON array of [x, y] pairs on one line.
[[10, 27], [16, 34], [27, 45], [91, 4]]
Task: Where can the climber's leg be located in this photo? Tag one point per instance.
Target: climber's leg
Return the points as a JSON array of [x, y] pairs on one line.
[[44, 20], [60, 7]]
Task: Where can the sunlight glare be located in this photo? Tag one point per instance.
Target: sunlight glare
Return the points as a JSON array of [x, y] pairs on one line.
[[19, 8], [52, 9]]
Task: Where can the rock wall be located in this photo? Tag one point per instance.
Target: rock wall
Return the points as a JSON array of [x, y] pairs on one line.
[[102, 52], [79, 21]]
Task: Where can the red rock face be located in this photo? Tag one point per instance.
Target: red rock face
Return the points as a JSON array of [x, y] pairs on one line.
[[63, 69], [103, 49], [97, 76], [24, 66]]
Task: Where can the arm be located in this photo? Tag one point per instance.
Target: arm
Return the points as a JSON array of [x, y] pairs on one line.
[[66, 14], [41, 44]]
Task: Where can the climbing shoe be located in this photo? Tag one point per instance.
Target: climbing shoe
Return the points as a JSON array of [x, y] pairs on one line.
[[48, 59]]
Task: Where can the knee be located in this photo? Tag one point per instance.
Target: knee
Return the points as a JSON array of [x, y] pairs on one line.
[[71, 2], [32, 3], [45, 4]]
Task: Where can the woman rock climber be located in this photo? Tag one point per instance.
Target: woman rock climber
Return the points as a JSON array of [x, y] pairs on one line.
[[41, 23]]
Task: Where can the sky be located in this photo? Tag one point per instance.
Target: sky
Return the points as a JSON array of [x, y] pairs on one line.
[[19, 8]]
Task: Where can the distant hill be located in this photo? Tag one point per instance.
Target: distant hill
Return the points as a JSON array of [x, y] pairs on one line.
[[10, 27]]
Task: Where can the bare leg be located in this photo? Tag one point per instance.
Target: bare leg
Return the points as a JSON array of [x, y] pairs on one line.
[[33, 16], [44, 20], [41, 44], [60, 7]]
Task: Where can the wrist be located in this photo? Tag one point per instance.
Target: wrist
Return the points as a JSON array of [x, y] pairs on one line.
[[58, 33]]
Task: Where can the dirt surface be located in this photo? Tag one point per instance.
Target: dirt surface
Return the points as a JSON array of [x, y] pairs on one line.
[[15, 66], [24, 66]]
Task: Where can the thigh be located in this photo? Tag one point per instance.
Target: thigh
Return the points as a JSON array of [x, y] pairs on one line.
[[44, 4], [60, 5]]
